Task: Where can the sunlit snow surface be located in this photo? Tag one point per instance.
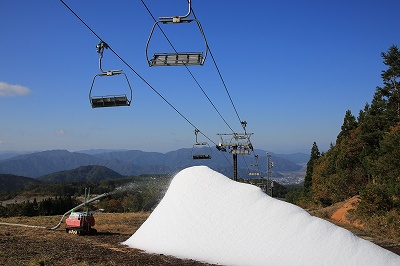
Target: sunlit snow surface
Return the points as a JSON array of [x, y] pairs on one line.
[[207, 217]]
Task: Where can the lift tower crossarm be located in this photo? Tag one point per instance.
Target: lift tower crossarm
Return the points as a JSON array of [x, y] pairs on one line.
[[239, 145]]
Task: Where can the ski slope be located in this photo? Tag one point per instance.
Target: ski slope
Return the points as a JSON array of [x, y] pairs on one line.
[[207, 217]]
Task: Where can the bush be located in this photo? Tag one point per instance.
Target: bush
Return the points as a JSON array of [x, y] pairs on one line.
[[375, 200]]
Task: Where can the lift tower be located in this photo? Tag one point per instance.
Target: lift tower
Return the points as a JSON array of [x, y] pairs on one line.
[[239, 144], [270, 182]]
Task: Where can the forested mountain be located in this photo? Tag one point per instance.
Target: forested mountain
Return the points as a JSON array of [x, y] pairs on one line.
[[365, 160], [47, 162], [366, 156], [297, 158], [133, 162], [81, 174], [16, 183], [9, 154]]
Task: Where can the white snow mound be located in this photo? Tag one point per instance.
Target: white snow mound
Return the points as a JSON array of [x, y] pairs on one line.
[[207, 217]]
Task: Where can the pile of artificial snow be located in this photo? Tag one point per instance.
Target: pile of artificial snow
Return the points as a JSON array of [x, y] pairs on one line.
[[207, 217]]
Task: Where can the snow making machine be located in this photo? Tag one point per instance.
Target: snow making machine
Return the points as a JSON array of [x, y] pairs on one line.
[[80, 223]]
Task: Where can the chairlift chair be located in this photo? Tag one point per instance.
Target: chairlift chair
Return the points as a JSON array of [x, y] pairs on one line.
[[198, 151], [253, 166], [256, 173], [240, 144], [177, 58], [109, 100]]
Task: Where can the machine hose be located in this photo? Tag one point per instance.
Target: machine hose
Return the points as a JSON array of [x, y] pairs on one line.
[[62, 218], [77, 207]]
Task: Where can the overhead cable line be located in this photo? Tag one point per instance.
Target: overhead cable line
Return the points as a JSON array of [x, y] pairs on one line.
[[187, 68], [177, 19], [149, 85], [137, 74], [243, 123], [220, 75]]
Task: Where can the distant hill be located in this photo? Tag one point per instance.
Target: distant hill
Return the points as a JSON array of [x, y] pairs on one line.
[[135, 162], [297, 158], [10, 183], [47, 162], [81, 174], [9, 154]]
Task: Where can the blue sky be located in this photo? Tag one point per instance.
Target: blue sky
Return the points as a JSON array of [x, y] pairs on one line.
[[292, 69]]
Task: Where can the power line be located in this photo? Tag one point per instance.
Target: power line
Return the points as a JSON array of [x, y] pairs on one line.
[[134, 71], [150, 86], [243, 123], [220, 75], [187, 68], [191, 74]]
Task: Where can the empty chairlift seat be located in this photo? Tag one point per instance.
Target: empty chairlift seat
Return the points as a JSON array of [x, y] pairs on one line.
[[176, 59], [254, 173], [201, 156], [109, 101]]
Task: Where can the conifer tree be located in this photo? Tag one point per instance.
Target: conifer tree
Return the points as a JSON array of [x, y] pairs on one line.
[[391, 77], [349, 123], [315, 154], [384, 111]]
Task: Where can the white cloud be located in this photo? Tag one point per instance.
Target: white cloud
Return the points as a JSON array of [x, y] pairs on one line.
[[9, 90], [61, 132]]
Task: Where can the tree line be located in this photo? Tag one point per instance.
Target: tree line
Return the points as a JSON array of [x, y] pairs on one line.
[[131, 194], [365, 160], [48, 206]]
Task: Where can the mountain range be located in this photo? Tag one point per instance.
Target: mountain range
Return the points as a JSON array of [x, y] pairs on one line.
[[136, 162]]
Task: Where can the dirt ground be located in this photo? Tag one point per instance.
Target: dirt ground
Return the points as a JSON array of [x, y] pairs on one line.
[[338, 214], [35, 246]]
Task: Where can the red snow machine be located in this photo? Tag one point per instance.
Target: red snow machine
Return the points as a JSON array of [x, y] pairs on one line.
[[80, 223]]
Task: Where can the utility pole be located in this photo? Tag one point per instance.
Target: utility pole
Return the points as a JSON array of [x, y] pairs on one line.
[[239, 144], [270, 182]]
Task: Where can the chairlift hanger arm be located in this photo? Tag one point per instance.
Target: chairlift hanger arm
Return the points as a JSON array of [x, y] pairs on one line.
[[196, 131], [108, 100], [177, 19], [100, 50]]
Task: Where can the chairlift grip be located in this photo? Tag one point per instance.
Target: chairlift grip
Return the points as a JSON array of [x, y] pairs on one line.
[[178, 18]]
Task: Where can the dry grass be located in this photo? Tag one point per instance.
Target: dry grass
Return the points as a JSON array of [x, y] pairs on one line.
[[36, 246], [122, 223], [48, 221]]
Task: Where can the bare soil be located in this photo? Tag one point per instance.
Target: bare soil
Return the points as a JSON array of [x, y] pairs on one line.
[[36, 246], [339, 215]]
